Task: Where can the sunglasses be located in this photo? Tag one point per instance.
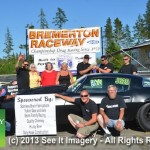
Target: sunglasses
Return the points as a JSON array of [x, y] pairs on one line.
[[84, 95], [26, 64], [103, 60]]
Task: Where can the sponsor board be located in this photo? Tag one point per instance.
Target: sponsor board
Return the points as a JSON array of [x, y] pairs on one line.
[[35, 114], [46, 41], [57, 59]]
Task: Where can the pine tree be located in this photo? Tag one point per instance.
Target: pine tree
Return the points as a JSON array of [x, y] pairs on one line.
[[60, 18], [116, 59], [147, 19], [9, 44], [42, 20], [139, 30], [108, 32], [118, 34], [127, 40]]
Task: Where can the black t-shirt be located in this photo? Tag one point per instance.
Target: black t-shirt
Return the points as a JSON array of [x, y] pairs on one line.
[[2, 98], [22, 78], [82, 66], [107, 66], [112, 107], [87, 109], [128, 69]]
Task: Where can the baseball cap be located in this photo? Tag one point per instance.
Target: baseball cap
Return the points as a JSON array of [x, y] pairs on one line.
[[86, 56]]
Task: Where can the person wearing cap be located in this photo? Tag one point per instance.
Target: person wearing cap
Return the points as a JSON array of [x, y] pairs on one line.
[[22, 75], [105, 66], [84, 67]]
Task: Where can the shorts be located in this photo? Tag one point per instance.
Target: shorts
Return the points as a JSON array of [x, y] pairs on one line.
[[87, 130], [112, 123]]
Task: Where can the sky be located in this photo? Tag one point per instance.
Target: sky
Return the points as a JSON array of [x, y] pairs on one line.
[[16, 14]]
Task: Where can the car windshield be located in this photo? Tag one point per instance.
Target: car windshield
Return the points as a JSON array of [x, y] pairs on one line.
[[146, 82], [73, 87]]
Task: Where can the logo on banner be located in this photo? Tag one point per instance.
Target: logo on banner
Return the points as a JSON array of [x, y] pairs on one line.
[[2, 128], [93, 42]]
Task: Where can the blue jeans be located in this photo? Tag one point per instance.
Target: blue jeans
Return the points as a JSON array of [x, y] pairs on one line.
[[112, 123]]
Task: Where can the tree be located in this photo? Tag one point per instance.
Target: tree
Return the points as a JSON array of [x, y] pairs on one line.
[[9, 44], [127, 40], [42, 20], [108, 32], [116, 60], [139, 30], [118, 34], [60, 18], [147, 19]]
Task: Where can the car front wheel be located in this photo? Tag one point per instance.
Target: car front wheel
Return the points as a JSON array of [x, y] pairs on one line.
[[143, 117]]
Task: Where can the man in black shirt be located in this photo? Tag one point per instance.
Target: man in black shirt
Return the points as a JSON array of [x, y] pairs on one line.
[[128, 68], [105, 66], [22, 75], [84, 67], [86, 124], [112, 110]]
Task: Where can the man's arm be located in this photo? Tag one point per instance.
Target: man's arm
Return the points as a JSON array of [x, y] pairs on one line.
[[88, 123], [8, 97], [86, 70], [17, 64], [104, 70], [92, 120], [108, 69], [66, 98], [121, 114]]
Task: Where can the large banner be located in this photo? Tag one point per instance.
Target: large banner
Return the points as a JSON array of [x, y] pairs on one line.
[[46, 41], [35, 114], [57, 59]]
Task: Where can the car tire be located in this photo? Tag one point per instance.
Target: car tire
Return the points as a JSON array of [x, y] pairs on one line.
[[143, 117]]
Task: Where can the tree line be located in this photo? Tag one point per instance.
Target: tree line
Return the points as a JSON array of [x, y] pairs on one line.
[[115, 36]]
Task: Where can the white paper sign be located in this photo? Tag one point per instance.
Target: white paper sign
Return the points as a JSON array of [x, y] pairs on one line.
[[35, 114], [57, 59]]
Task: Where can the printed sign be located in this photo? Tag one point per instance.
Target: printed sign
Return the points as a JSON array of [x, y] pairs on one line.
[[57, 59], [122, 81], [35, 114], [96, 83], [46, 41], [12, 89]]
